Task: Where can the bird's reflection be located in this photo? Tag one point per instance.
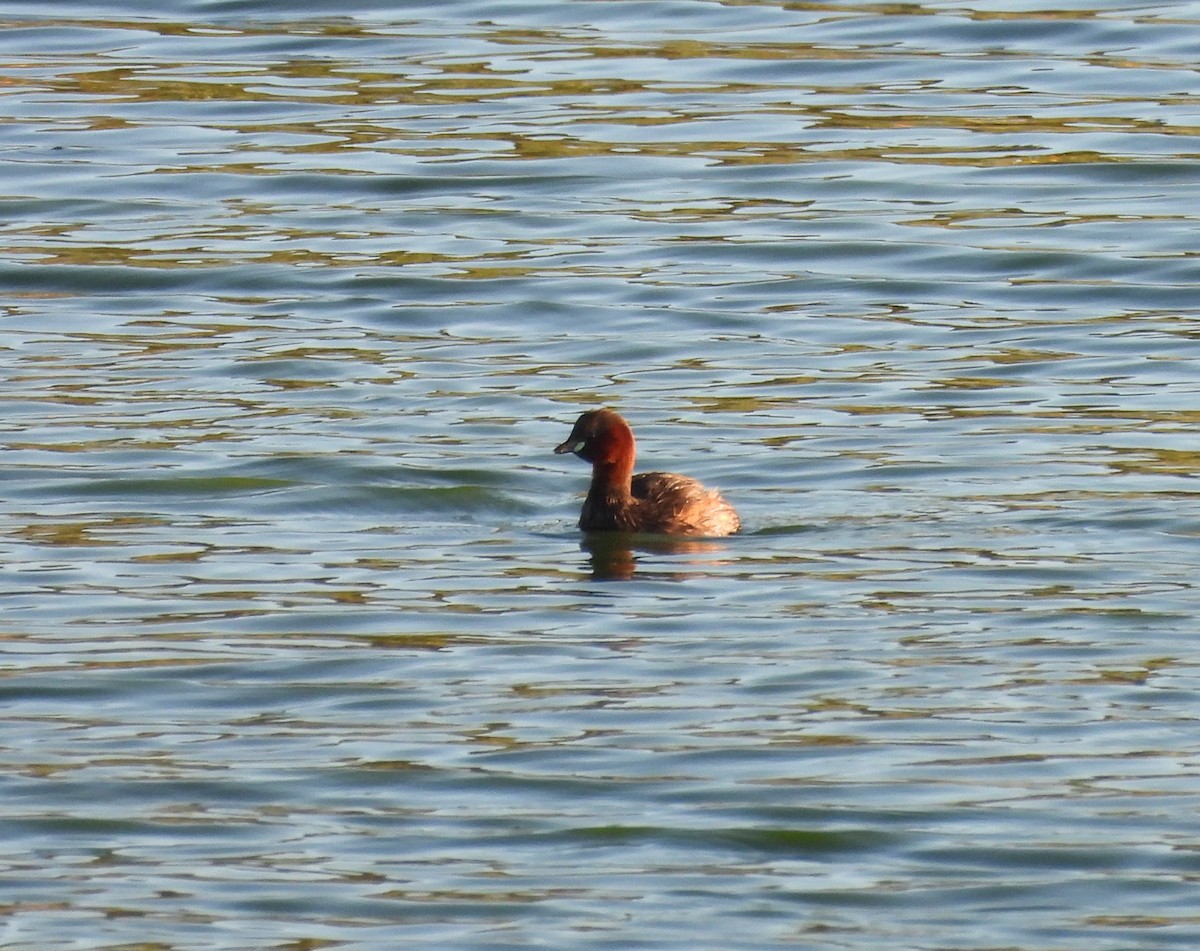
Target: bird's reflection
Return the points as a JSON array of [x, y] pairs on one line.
[[613, 555]]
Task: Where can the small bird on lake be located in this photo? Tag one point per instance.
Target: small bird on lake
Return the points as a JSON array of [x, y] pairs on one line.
[[655, 502]]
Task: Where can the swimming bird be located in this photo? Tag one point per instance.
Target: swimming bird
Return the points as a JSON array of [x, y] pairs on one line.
[[663, 503]]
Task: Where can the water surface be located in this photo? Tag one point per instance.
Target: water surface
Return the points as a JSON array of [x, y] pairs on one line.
[[302, 647]]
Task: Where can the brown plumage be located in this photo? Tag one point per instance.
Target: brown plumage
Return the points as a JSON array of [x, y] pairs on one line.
[[659, 502]]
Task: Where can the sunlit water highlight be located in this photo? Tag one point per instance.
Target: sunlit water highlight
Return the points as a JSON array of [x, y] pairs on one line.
[[302, 648]]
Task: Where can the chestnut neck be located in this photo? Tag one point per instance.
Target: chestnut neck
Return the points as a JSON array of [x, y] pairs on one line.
[[612, 465]]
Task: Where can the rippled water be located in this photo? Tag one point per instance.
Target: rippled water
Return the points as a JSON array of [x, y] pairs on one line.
[[302, 648]]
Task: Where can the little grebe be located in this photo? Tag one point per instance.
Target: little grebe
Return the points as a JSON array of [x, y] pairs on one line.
[[659, 502]]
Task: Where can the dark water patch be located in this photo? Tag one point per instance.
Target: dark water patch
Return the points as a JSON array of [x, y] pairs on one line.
[[779, 841], [187, 486]]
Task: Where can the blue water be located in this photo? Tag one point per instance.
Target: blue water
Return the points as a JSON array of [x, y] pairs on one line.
[[301, 646]]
